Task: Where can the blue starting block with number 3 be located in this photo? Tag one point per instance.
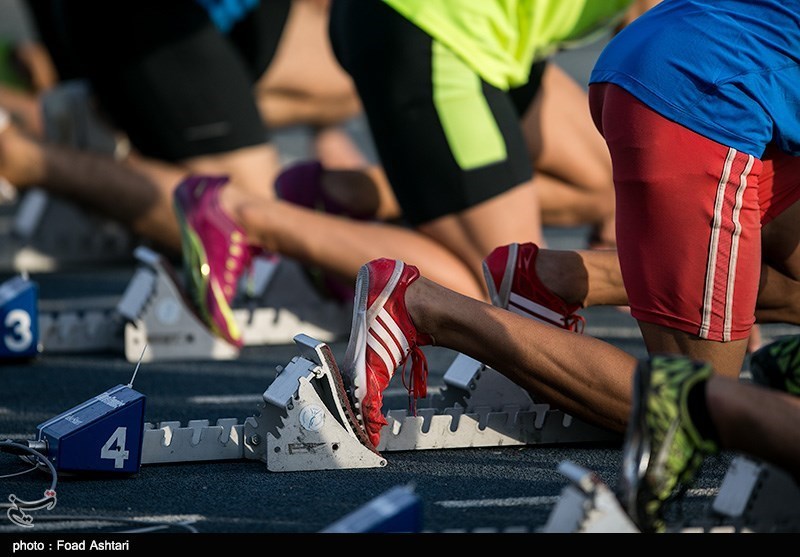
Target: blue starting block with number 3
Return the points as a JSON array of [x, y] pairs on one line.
[[19, 319], [104, 434]]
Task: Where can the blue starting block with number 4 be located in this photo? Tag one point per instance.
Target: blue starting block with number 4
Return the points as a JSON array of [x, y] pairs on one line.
[[104, 434], [19, 319]]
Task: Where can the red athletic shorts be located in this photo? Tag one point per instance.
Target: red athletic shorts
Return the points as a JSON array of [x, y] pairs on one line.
[[689, 216]]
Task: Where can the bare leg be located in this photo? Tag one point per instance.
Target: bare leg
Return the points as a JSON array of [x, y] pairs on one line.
[[581, 375], [251, 169], [593, 278], [365, 189], [304, 83], [756, 421], [24, 108], [725, 357], [137, 193], [778, 298], [573, 167], [474, 233], [340, 245]]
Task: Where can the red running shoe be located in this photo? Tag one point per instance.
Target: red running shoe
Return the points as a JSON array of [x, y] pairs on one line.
[[382, 338], [510, 273], [215, 253]]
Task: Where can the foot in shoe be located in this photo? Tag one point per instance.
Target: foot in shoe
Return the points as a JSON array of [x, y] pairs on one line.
[[513, 283], [382, 339], [215, 253]]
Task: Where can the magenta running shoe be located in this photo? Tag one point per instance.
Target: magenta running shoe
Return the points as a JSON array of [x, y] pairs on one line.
[[215, 253], [510, 273], [382, 339]]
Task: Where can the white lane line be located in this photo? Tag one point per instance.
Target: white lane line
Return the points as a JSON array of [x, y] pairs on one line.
[[224, 399], [506, 502], [147, 522], [541, 501]]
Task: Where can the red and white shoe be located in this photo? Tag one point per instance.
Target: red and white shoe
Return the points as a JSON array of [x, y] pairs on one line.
[[510, 273], [382, 339]]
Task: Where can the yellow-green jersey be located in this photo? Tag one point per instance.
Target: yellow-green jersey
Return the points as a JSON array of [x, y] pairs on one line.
[[500, 39]]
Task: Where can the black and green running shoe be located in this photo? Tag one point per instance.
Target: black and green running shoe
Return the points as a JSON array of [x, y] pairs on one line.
[[777, 365], [663, 449]]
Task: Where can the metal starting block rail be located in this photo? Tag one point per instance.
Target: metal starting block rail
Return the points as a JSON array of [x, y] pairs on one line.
[[587, 506], [306, 423], [303, 424], [79, 325], [479, 407], [159, 315], [154, 312], [753, 497], [47, 234], [760, 495]]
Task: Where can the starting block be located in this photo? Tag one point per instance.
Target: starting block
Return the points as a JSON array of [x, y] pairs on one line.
[[479, 407], [47, 233], [159, 315], [153, 311], [80, 325], [754, 497], [587, 506], [19, 319], [29, 325], [760, 495], [306, 421]]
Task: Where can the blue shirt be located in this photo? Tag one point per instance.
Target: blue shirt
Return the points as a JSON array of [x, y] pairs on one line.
[[227, 13], [726, 69]]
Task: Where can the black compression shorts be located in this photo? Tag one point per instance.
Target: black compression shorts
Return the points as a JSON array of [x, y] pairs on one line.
[[163, 72], [441, 157]]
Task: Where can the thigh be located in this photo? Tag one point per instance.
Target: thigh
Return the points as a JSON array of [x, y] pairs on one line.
[[304, 62], [448, 140], [257, 35], [561, 137], [688, 221], [180, 90], [779, 195]]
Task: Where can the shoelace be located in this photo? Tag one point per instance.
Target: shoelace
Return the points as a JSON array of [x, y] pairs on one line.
[[575, 322], [418, 385]]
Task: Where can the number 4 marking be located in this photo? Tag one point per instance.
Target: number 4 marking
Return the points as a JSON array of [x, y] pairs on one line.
[[116, 453]]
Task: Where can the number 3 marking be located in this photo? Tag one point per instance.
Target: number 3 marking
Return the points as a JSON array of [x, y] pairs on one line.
[[19, 322]]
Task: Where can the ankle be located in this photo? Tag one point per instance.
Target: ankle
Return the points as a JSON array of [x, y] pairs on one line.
[[560, 272], [22, 160], [421, 306]]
